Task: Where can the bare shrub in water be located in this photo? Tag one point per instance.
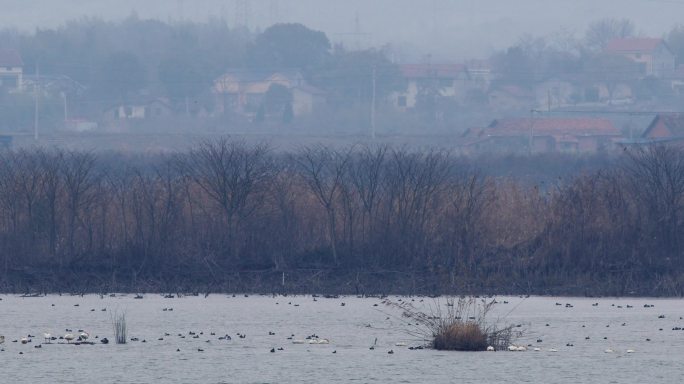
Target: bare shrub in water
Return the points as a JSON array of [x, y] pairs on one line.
[[462, 326], [119, 323]]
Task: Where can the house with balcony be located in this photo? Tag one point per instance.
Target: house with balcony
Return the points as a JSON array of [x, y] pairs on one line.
[[243, 91], [443, 80], [11, 70], [652, 54]]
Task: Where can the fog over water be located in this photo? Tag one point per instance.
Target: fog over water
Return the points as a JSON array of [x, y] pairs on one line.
[[442, 28]]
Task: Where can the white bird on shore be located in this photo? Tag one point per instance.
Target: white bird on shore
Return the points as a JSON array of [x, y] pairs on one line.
[[47, 337], [298, 341], [630, 351], [83, 336], [68, 337], [490, 349], [512, 348], [24, 340]]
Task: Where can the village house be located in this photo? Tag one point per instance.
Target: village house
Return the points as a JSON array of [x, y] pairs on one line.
[[542, 135], [139, 110], [242, 91], [444, 80], [511, 97], [665, 128], [11, 70], [555, 93], [677, 82], [479, 73], [652, 54]]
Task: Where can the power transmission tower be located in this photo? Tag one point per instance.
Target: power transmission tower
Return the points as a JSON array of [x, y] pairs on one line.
[[181, 10], [274, 12], [357, 31], [243, 12]]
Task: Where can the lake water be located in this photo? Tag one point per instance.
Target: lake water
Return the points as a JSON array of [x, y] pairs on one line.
[[351, 328]]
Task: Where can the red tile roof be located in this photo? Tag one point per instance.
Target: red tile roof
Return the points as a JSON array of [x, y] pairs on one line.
[[583, 126], [674, 122], [414, 71], [633, 44], [10, 58]]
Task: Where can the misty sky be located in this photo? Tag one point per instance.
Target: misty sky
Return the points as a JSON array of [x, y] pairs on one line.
[[445, 29]]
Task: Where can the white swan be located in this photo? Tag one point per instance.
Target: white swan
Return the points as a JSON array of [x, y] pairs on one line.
[[298, 341], [24, 340], [537, 349], [83, 336], [69, 337], [47, 337], [521, 349], [630, 351], [400, 344], [490, 349], [512, 348], [609, 350], [553, 350]]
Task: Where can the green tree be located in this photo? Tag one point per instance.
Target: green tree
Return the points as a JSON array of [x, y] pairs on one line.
[[675, 40], [348, 77], [611, 71], [120, 74], [181, 77], [290, 46]]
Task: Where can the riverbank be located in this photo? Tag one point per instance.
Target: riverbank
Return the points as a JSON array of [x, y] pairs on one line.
[[338, 282]]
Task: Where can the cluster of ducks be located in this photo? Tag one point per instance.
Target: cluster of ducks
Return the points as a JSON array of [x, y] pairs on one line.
[[78, 338], [311, 339]]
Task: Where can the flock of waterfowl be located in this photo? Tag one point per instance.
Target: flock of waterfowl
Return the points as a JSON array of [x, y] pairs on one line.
[[83, 337]]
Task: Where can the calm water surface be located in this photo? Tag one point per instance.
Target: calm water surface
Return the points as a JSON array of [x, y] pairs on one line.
[[351, 328]]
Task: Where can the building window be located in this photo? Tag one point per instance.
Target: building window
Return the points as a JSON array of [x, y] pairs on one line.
[[401, 101]]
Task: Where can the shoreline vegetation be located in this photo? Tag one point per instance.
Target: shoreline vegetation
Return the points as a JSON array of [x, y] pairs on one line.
[[229, 216], [461, 325]]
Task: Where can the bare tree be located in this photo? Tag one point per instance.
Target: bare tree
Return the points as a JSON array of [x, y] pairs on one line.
[[323, 169], [601, 32], [657, 176], [80, 179], [233, 175]]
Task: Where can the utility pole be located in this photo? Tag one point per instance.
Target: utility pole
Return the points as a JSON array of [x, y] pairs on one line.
[[66, 116], [373, 105], [35, 112], [531, 138]]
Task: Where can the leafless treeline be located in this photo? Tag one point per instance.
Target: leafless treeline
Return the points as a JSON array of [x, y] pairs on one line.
[[362, 219]]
